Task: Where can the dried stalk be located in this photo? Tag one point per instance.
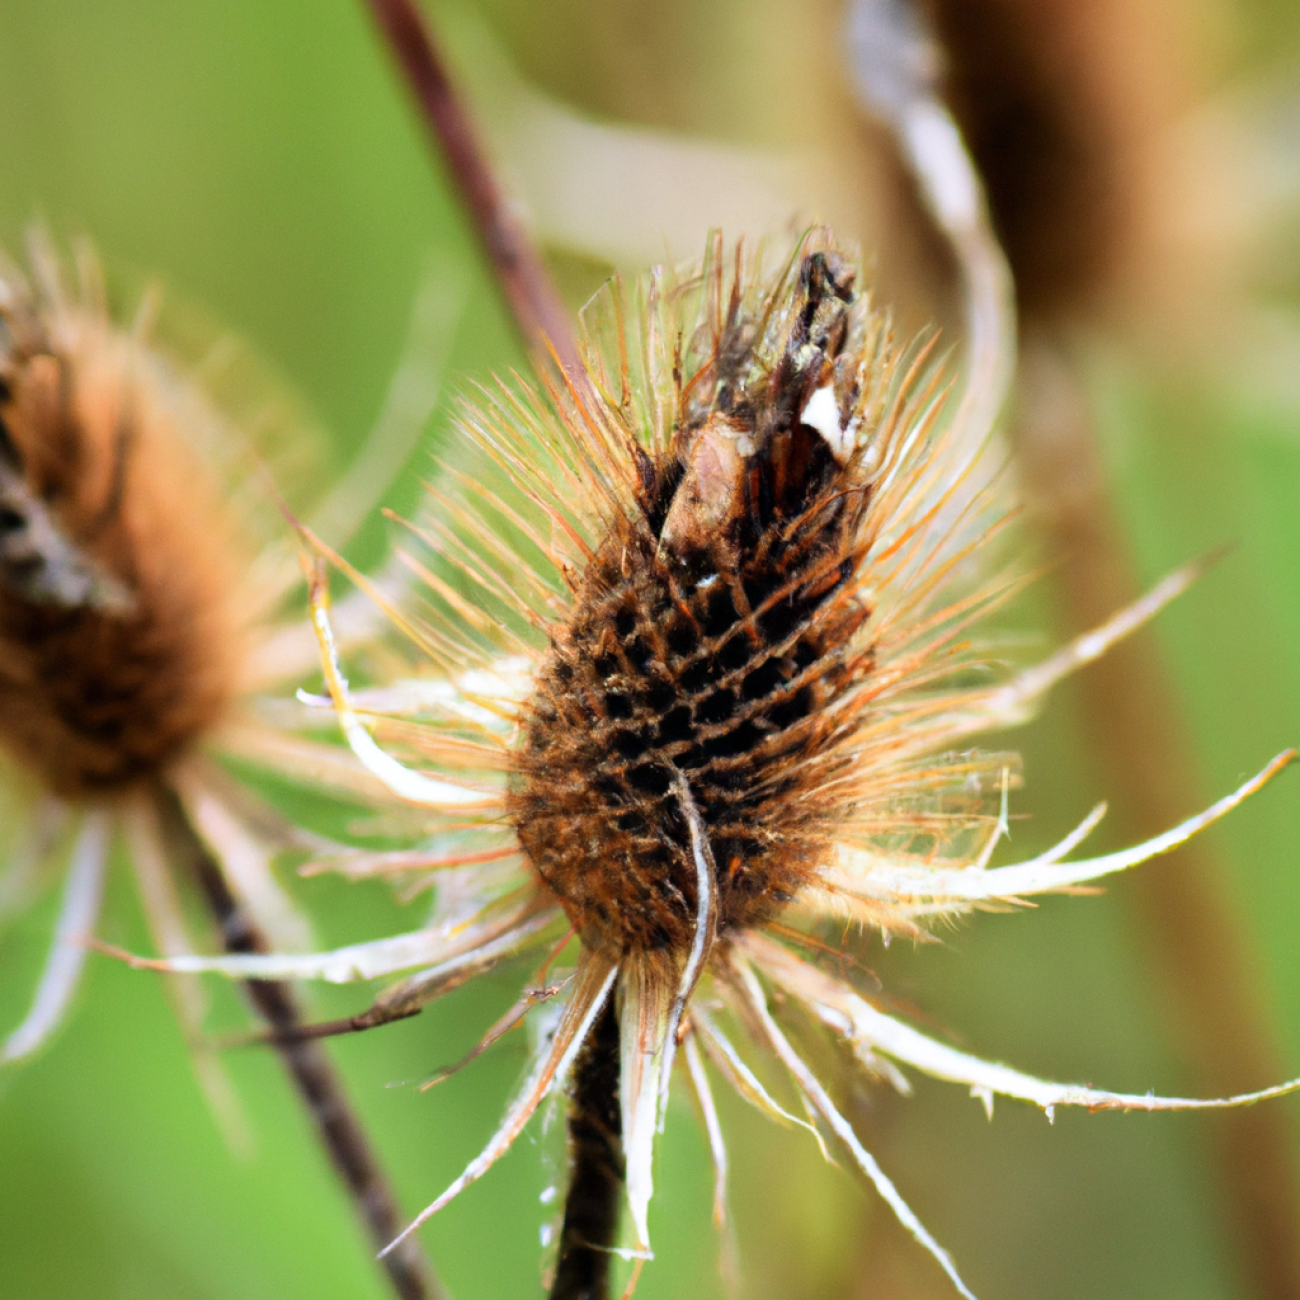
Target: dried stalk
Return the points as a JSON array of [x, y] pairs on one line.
[[596, 1168], [322, 1091], [536, 306], [595, 1145], [1138, 736]]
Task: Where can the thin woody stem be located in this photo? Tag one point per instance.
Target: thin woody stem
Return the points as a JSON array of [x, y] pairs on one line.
[[322, 1091], [596, 1168], [596, 1163], [538, 310]]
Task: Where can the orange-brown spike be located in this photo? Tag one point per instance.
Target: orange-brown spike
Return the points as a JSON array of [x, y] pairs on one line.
[[119, 640]]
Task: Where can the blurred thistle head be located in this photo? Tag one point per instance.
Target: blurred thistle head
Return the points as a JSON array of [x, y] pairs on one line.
[[118, 562], [702, 619], [143, 564]]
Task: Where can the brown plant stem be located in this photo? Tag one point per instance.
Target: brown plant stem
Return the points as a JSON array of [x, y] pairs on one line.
[[596, 1168], [322, 1091], [1139, 741], [538, 311]]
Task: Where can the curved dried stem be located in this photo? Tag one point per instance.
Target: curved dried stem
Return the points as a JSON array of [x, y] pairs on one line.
[[896, 67], [1136, 726]]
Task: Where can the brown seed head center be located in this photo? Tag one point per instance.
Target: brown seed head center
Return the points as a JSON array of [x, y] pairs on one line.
[[711, 637], [117, 628]]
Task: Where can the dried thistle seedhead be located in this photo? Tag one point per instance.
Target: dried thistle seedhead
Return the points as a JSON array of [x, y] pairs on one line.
[[713, 635], [136, 621], [142, 561], [704, 686], [119, 636]]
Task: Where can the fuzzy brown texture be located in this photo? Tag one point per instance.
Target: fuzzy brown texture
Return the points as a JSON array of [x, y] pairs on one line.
[[118, 636], [711, 635]]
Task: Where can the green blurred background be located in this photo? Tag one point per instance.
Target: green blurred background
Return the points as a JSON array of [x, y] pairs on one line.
[[257, 157]]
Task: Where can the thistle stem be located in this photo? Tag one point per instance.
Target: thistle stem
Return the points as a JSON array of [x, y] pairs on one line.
[[322, 1091], [538, 311], [596, 1168]]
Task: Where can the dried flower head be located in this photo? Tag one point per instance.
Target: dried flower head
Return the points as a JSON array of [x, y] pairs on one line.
[[705, 681], [142, 563]]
